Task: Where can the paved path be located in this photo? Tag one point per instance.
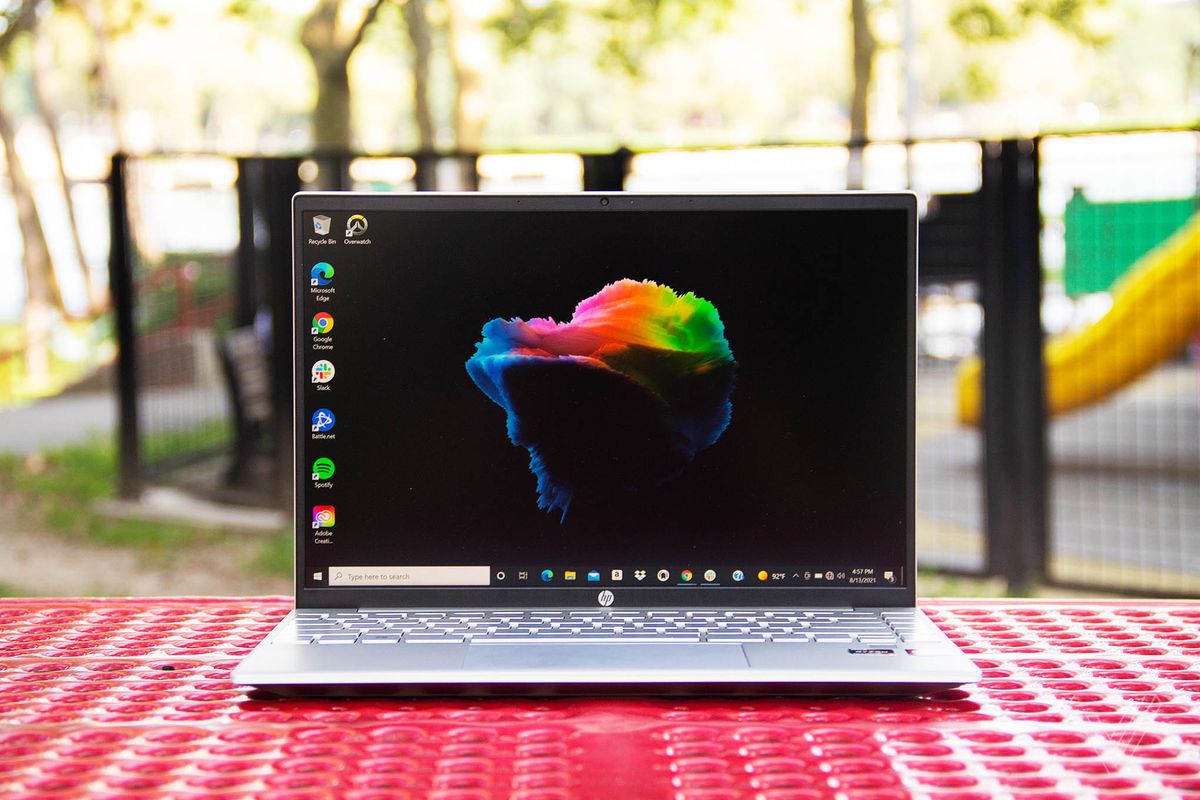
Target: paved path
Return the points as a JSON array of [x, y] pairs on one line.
[[75, 417], [58, 421], [1125, 491]]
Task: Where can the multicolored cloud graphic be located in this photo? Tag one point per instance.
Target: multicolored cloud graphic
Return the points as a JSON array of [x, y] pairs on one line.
[[619, 399]]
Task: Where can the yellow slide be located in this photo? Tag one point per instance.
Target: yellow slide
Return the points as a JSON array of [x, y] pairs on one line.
[[1156, 308]]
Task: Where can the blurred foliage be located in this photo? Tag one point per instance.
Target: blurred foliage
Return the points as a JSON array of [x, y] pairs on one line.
[[276, 556], [631, 28], [58, 491], [982, 21]]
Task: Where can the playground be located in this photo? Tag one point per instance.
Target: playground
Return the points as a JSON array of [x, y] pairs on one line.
[[1123, 411]]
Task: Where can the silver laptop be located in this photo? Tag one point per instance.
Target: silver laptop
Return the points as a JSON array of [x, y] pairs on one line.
[[604, 443]]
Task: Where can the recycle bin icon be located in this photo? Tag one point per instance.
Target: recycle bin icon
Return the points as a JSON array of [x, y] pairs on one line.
[[321, 224]]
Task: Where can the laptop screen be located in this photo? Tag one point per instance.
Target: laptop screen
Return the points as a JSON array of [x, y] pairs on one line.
[[631, 395]]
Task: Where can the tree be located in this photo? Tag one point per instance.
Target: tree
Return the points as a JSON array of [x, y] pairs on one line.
[[43, 296], [43, 63], [975, 22], [416, 23], [863, 56], [632, 28], [330, 34]]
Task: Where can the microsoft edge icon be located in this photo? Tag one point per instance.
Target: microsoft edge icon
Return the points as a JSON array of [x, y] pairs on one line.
[[547, 575], [322, 274]]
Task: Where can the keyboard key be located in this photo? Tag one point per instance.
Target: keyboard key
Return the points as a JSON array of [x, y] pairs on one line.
[[376, 638]]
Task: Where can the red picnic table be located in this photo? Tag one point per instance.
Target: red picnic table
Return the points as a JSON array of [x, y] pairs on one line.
[[132, 698]]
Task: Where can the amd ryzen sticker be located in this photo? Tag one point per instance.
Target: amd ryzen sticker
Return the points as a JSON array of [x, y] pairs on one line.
[[872, 651]]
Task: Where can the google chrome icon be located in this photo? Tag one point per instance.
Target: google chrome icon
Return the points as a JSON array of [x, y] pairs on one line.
[[322, 323]]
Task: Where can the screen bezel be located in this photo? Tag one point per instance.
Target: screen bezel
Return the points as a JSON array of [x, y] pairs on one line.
[[584, 597]]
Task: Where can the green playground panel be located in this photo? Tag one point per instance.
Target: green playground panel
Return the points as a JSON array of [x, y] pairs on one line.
[[1103, 240]]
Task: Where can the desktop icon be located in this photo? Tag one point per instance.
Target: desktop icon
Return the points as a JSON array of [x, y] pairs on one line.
[[664, 575], [569, 575], [322, 469], [686, 575], [322, 323], [322, 274], [356, 225], [739, 576], [618, 575], [322, 371], [710, 575], [322, 419], [322, 517], [640, 574], [321, 224], [763, 575], [547, 575], [593, 575]]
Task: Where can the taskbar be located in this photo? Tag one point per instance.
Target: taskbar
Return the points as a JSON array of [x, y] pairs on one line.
[[558, 576]]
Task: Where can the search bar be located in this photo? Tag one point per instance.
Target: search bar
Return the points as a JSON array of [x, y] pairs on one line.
[[410, 576]]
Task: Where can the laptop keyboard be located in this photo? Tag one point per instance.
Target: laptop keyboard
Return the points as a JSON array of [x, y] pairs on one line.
[[882, 627]]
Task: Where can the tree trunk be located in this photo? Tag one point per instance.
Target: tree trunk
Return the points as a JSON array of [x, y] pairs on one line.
[[864, 56], [330, 41], [42, 293], [96, 14], [43, 60], [331, 115], [417, 25], [468, 52]]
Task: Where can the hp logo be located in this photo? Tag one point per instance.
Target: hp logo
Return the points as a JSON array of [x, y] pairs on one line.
[[605, 598]]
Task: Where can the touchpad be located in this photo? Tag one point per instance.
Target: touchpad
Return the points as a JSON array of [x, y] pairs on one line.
[[605, 656]]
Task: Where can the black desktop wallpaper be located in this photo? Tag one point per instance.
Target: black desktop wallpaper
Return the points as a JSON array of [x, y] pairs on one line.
[[810, 470]]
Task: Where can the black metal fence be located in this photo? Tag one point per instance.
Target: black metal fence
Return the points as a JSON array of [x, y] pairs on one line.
[[1105, 494]]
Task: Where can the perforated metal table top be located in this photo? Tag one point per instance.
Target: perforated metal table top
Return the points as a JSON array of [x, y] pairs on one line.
[[131, 698]]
